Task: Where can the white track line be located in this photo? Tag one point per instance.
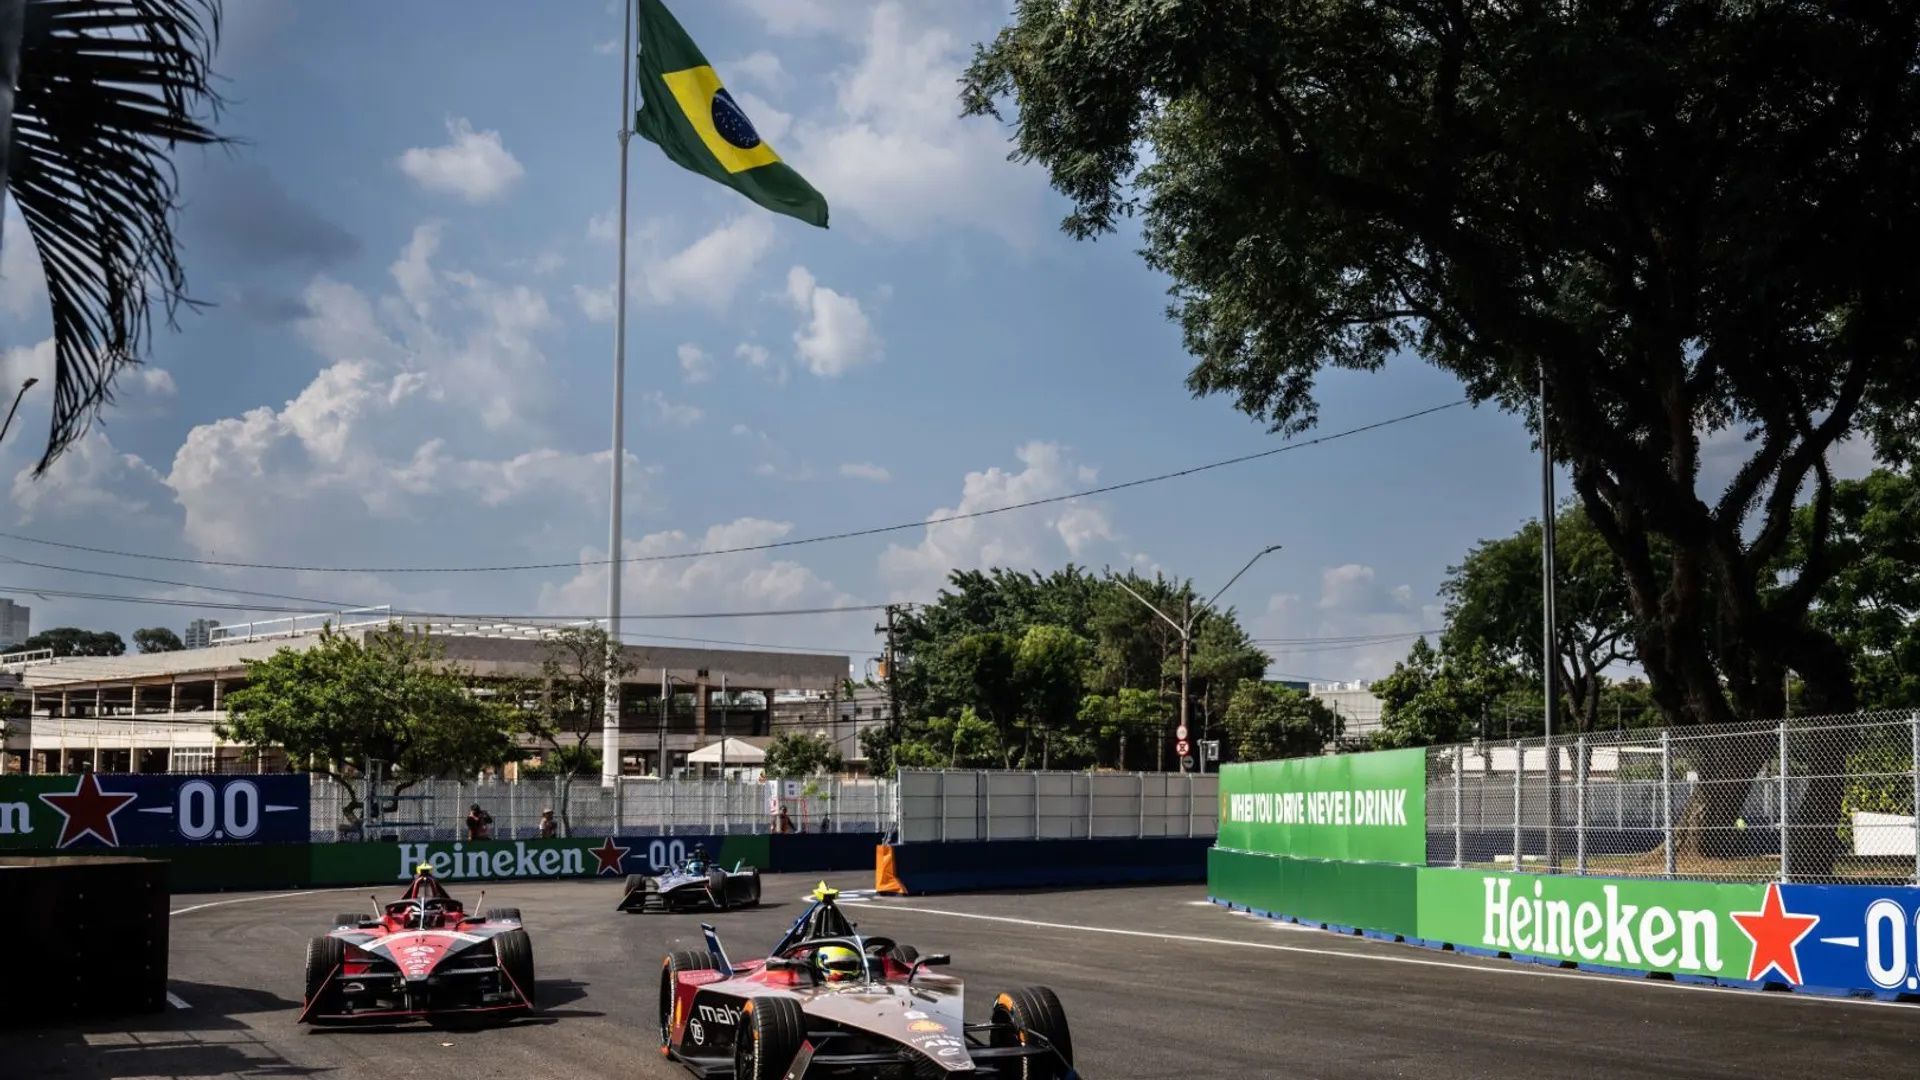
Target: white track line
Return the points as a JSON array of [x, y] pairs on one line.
[[174, 1000], [1494, 968], [257, 899]]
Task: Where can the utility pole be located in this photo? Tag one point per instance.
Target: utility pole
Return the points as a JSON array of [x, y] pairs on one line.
[[1184, 627], [610, 725], [666, 702], [1549, 658], [893, 693]]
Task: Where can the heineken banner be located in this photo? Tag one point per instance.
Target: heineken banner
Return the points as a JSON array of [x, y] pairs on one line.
[[1857, 938], [90, 811], [504, 860], [1361, 807]]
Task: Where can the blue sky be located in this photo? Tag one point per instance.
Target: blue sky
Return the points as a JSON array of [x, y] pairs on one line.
[[410, 259]]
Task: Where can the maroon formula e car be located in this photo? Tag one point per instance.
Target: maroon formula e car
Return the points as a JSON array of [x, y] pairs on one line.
[[422, 956], [829, 1002]]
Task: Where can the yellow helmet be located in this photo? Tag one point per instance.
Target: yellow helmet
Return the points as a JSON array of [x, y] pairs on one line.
[[836, 963], [424, 870]]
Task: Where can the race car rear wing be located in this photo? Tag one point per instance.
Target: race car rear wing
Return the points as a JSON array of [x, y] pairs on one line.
[[719, 954]]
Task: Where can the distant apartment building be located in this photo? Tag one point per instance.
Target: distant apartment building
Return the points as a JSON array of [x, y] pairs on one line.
[[199, 633], [15, 625]]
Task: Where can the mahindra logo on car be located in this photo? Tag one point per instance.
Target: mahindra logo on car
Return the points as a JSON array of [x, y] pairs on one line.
[[724, 1015]]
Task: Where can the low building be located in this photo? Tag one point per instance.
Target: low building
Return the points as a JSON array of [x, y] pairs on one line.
[[157, 712], [842, 719]]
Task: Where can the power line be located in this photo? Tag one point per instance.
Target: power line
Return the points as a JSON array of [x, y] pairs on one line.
[[771, 545]]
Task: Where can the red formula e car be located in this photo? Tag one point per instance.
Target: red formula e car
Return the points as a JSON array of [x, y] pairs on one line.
[[829, 1002], [423, 956]]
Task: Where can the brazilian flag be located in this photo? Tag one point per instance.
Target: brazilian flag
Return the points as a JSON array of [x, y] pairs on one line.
[[685, 109]]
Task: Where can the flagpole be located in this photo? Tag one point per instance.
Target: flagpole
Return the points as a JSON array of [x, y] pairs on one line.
[[610, 730]]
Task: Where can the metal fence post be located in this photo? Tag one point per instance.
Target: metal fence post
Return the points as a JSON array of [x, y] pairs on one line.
[[1580, 805], [1913, 724], [1785, 833], [1459, 829], [1189, 778], [1036, 805], [1666, 796], [1140, 803], [943, 805], [1519, 767], [1089, 806], [983, 795]]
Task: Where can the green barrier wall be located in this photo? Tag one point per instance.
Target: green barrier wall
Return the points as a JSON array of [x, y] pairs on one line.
[[509, 860], [1367, 896], [1364, 807], [230, 866]]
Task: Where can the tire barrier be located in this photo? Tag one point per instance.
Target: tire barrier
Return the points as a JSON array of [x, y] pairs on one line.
[[1027, 864], [94, 940]]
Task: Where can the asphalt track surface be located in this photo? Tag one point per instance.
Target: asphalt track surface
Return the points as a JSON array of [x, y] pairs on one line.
[[1156, 984]]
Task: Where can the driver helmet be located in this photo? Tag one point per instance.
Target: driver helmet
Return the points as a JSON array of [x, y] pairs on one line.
[[836, 963], [425, 869]]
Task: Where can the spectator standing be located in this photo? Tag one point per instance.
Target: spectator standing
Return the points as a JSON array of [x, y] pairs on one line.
[[479, 823], [548, 826]]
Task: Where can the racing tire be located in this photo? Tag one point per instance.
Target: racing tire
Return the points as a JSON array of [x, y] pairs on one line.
[[513, 951], [635, 883], [717, 889], [325, 955], [502, 914], [670, 969], [753, 890], [1034, 1009], [349, 918], [772, 1031]]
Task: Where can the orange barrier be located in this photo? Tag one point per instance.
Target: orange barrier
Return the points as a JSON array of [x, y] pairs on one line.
[[884, 878]]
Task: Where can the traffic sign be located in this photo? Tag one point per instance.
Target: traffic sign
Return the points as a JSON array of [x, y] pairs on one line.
[[1181, 748], [1186, 763], [1180, 732], [1211, 748]]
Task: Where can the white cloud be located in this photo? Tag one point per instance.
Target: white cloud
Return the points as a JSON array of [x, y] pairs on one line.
[[595, 304], [154, 382], [761, 67], [760, 358], [711, 269], [1041, 538], [897, 155], [474, 166], [741, 582], [795, 17], [23, 285], [865, 470], [607, 47], [837, 336], [696, 365], [92, 477], [413, 270], [1353, 602], [670, 414], [25, 362], [603, 228], [546, 263]]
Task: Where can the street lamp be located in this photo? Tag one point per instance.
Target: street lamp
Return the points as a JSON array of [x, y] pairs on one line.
[[667, 682], [1184, 627]]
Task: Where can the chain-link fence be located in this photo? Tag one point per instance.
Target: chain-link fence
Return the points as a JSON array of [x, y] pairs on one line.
[[1811, 799], [438, 809]]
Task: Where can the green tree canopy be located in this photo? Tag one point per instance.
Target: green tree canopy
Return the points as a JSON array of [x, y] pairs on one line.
[[1493, 602], [798, 754], [346, 701], [157, 639], [1266, 721], [1679, 214], [1435, 697], [73, 641]]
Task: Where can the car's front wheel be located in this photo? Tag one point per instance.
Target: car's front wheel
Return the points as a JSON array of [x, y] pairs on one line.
[[325, 955], [771, 1031], [1034, 1011], [513, 951], [670, 969]]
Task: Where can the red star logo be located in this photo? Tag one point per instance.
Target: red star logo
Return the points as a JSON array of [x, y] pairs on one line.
[[611, 856], [1775, 934], [88, 810]]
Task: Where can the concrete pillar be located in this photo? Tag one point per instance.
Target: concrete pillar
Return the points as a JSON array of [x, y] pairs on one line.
[[216, 695], [700, 692], [133, 699], [66, 704], [173, 697], [99, 703]]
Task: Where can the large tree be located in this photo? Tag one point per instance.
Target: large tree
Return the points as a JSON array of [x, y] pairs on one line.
[[567, 705], [1493, 600], [1692, 220], [93, 96], [154, 639], [1266, 720], [345, 702], [73, 641]]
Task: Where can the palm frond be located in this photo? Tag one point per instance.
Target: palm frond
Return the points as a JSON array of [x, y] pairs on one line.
[[106, 89]]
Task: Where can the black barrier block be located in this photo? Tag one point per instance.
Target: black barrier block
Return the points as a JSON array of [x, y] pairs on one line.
[[1025, 864], [807, 853], [92, 937]]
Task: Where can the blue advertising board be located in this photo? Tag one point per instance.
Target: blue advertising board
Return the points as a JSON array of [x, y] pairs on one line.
[[1863, 938], [93, 811]]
